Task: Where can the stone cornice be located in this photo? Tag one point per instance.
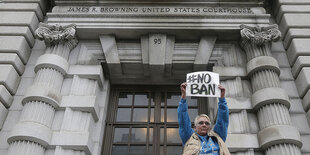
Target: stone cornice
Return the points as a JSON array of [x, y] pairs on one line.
[[160, 2], [93, 21], [55, 34]]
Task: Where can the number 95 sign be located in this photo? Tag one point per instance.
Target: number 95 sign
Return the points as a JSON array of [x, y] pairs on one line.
[[157, 41]]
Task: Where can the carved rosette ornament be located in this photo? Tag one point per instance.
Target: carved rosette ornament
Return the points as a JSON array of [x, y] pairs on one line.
[[57, 34], [260, 35]]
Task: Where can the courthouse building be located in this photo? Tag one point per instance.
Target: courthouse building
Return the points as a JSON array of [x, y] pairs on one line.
[[101, 77]]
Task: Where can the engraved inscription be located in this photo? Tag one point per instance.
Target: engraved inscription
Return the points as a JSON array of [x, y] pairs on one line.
[[157, 10]]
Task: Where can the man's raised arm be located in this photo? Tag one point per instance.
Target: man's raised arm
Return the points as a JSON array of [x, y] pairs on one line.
[[185, 129], [222, 120]]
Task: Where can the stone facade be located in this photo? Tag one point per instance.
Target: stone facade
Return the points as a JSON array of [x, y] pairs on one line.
[[59, 60]]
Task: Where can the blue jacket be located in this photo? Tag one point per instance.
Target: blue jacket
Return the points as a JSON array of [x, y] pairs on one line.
[[220, 127]]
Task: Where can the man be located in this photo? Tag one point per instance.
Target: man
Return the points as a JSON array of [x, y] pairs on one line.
[[203, 140]]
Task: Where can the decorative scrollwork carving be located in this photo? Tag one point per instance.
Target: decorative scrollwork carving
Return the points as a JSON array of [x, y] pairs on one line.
[[55, 34], [260, 35]]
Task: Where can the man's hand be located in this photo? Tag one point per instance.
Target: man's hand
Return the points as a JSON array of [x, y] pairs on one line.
[[183, 90], [222, 91]]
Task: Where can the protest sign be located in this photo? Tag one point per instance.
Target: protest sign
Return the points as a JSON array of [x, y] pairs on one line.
[[203, 84]]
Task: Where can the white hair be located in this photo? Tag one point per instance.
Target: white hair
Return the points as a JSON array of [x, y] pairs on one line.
[[201, 115]]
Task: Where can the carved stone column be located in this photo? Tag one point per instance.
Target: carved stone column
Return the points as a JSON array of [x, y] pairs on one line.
[[276, 135], [33, 133]]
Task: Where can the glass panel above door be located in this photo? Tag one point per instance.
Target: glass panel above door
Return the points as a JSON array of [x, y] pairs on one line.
[[125, 98], [141, 99]]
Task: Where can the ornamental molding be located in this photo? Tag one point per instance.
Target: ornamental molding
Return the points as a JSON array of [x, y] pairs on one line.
[[57, 34], [260, 35]]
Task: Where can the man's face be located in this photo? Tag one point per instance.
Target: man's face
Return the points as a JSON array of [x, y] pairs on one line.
[[203, 126]]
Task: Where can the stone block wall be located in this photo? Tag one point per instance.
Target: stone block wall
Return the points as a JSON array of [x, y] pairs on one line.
[[73, 123], [293, 16], [18, 21], [78, 123]]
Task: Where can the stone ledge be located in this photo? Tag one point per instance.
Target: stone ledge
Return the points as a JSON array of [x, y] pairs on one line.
[[303, 81], [18, 31], [279, 134], [19, 19], [291, 2], [5, 97], [52, 61], [295, 33], [293, 20], [15, 44], [292, 9], [93, 72], [241, 142], [81, 103], [42, 3], [3, 114], [9, 78], [262, 63], [31, 131], [298, 47], [302, 61], [207, 21], [90, 26], [170, 2], [14, 60], [22, 7], [73, 140], [272, 95]]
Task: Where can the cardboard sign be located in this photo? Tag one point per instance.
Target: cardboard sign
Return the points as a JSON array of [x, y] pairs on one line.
[[203, 84]]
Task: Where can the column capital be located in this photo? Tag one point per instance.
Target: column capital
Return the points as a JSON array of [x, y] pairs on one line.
[[260, 35], [56, 34]]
